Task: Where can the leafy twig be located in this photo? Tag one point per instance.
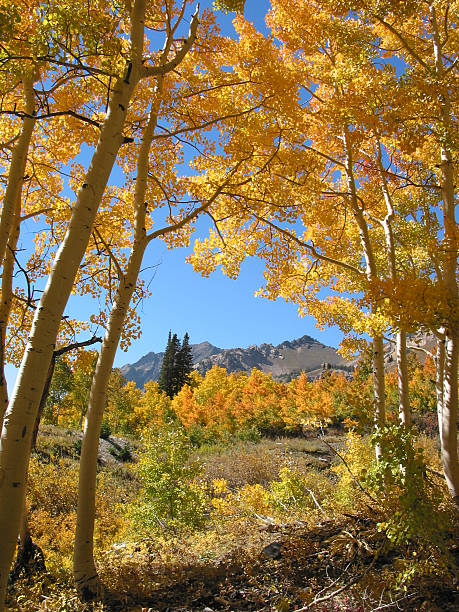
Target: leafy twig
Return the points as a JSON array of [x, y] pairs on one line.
[[350, 472]]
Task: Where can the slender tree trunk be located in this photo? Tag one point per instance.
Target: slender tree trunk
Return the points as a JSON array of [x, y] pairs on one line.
[[379, 388], [449, 453], [5, 310], [12, 198], [450, 395], [86, 578], [87, 581], [22, 410], [403, 379], [10, 227], [445, 362], [371, 273], [448, 425], [401, 352], [439, 379]]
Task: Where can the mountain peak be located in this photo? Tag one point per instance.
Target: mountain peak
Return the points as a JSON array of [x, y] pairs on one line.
[[284, 361]]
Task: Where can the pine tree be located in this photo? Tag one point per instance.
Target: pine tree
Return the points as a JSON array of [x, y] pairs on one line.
[[177, 365], [184, 362], [166, 375]]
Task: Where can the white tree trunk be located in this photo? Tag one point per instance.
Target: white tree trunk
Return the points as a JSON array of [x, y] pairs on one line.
[[12, 198], [401, 353], [403, 379], [379, 388], [20, 417], [87, 581], [86, 578], [10, 226], [439, 380], [85, 574], [5, 310], [371, 273], [449, 414]]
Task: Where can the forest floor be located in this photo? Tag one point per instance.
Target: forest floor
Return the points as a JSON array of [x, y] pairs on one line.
[[321, 561]]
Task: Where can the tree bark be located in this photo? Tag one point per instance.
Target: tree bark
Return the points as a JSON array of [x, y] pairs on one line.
[[371, 273], [22, 410], [379, 386], [404, 413], [87, 581], [12, 199], [439, 380], [10, 226], [449, 414], [450, 246], [401, 352], [5, 310]]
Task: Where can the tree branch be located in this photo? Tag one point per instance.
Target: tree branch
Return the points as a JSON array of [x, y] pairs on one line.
[[150, 71], [310, 248], [110, 254]]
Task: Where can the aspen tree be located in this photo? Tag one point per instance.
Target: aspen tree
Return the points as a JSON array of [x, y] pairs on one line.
[[425, 42], [40, 98], [11, 200], [449, 406], [86, 577], [334, 100], [145, 199], [23, 406]]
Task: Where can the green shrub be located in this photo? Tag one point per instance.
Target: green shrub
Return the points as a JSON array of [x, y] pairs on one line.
[[289, 491], [105, 430], [297, 489], [203, 436], [249, 434], [122, 454], [172, 494], [77, 446], [412, 503]]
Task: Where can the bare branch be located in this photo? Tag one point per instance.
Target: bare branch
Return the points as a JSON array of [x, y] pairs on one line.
[[111, 255]]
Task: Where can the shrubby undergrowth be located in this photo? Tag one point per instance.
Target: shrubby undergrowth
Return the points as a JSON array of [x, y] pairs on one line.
[[204, 489]]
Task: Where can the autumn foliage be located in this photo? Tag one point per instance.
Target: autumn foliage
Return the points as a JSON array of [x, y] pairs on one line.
[[239, 404], [326, 148]]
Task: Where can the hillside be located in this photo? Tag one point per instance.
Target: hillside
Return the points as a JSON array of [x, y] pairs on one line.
[[284, 361], [260, 548]]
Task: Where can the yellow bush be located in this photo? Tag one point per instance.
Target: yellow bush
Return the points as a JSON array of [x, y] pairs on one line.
[[359, 456], [52, 501], [254, 498]]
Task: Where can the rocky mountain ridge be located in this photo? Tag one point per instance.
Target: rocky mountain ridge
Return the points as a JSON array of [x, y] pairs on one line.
[[284, 361]]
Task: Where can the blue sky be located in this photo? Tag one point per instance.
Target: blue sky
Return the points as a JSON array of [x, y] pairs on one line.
[[218, 309]]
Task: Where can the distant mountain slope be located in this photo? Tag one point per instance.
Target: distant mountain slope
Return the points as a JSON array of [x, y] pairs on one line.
[[284, 361]]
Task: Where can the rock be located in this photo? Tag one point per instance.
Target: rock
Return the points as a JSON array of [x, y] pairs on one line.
[[273, 550]]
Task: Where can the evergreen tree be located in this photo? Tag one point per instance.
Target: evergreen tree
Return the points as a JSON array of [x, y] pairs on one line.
[[165, 381], [184, 363], [177, 365]]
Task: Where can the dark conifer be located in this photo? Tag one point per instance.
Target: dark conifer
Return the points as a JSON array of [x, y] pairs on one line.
[[166, 375], [184, 362], [177, 365]]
